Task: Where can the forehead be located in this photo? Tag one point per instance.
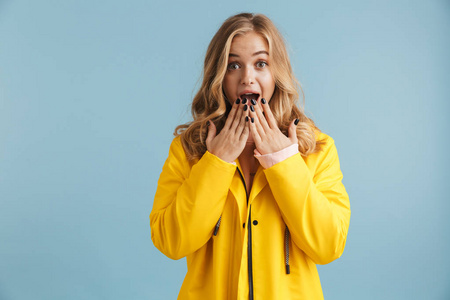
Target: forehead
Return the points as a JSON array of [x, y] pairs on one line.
[[249, 43]]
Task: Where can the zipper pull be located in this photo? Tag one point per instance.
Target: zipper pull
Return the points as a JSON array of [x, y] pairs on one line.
[[286, 249], [216, 229]]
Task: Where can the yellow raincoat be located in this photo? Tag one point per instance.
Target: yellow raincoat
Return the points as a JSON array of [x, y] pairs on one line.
[[297, 216]]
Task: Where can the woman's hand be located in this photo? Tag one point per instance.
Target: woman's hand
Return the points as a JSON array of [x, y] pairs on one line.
[[264, 128], [230, 142]]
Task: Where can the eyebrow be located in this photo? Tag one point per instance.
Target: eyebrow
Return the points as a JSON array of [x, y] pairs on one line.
[[254, 54]]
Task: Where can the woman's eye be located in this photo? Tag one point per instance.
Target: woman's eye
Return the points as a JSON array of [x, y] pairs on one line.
[[233, 66], [261, 64]]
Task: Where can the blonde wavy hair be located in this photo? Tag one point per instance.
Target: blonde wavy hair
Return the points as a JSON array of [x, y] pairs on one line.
[[210, 103]]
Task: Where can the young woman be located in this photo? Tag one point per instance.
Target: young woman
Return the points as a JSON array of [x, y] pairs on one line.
[[251, 193]]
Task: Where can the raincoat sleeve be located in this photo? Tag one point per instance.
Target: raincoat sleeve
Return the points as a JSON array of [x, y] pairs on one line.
[[313, 202], [188, 201]]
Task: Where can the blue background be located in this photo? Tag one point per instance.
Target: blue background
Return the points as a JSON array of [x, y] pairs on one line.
[[91, 91]]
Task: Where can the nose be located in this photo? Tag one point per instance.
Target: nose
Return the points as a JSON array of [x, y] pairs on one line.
[[247, 76]]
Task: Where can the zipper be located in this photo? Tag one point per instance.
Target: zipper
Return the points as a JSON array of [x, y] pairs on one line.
[[249, 244], [249, 257]]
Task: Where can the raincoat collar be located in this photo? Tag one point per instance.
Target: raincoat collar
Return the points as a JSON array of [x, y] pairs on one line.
[[237, 186]]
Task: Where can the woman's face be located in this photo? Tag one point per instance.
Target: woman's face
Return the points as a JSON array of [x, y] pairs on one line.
[[248, 70]]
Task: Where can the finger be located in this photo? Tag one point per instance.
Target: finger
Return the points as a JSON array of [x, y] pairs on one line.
[[254, 131], [237, 119], [268, 114], [292, 131], [232, 114], [257, 122], [262, 119], [211, 133], [242, 123], [246, 129]]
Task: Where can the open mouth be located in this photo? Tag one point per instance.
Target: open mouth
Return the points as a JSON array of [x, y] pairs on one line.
[[250, 96]]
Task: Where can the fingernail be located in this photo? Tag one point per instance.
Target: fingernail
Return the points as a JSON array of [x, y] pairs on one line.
[[245, 107], [263, 101], [253, 120], [252, 109], [246, 118], [238, 101], [253, 101], [244, 100], [296, 121]]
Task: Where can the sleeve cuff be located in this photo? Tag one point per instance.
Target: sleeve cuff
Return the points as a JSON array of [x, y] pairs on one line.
[[268, 160], [221, 160]]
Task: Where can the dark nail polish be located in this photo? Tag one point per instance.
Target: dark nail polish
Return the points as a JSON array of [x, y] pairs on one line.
[[246, 118], [263, 101], [253, 101], [296, 121], [244, 100], [253, 120], [252, 109], [238, 101], [245, 107]]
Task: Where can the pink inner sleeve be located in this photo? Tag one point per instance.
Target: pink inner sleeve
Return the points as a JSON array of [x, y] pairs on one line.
[[268, 160]]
